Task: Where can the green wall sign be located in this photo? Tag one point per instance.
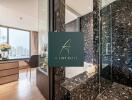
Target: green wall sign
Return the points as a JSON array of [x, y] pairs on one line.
[[65, 49]]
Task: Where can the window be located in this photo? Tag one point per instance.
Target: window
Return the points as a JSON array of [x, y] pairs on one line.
[[19, 41], [3, 35]]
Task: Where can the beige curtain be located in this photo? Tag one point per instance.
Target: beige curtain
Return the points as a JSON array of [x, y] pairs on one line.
[[34, 43]]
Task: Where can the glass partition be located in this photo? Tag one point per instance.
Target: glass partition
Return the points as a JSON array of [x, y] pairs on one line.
[[106, 25], [43, 35], [115, 41], [115, 49], [79, 18]]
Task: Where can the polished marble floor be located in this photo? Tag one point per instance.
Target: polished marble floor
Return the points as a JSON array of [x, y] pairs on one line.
[[24, 89]]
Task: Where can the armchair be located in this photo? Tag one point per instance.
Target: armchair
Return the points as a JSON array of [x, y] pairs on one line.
[[33, 62]]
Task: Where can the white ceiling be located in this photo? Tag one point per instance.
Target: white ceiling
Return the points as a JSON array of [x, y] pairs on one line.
[[106, 2], [28, 7], [81, 6], [28, 11], [85, 6], [19, 13]]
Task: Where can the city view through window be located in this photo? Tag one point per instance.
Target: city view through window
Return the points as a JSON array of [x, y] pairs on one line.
[[19, 41]]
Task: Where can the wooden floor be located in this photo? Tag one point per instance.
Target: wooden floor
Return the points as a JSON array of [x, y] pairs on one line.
[[24, 89]]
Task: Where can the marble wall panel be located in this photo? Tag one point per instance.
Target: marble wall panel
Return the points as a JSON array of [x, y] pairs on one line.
[[86, 27], [121, 40], [59, 26], [96, 16]]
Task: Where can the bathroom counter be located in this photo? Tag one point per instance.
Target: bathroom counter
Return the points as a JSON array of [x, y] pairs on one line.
[[73, 83], [84, 86], [116, 92]]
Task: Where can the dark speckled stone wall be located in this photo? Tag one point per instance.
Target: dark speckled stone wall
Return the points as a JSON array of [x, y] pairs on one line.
[[121, 36], [106, 43], [117, 32], [116, 62], [106, 38], [96, 32], [120, 30], [86, 26]]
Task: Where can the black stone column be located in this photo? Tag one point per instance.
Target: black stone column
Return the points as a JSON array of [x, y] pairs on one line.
[[59, 26]]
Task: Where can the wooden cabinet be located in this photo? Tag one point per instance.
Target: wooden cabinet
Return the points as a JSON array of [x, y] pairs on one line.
[[9, 71], [43, 83]]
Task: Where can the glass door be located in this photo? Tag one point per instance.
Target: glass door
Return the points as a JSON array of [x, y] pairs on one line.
[[115, 48], [42, 78], [76, 83], [43, 35]]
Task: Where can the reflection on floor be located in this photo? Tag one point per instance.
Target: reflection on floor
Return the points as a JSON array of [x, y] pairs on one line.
[[24, 89]]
